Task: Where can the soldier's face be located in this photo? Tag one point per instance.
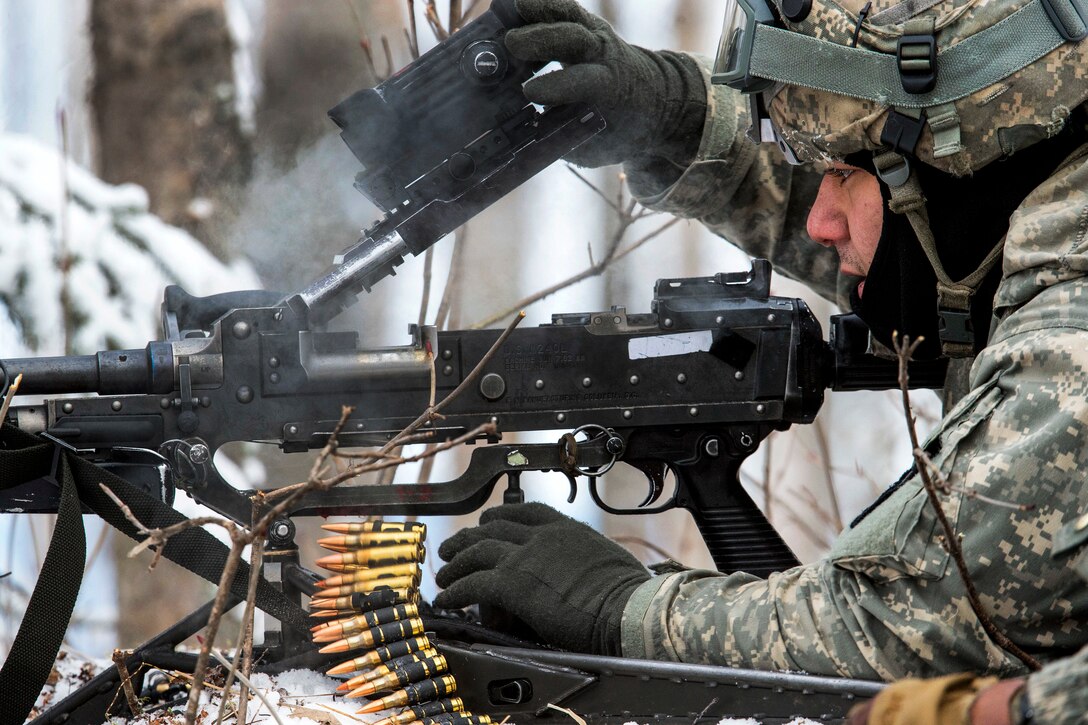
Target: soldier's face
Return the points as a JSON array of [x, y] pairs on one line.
[[848, 215]]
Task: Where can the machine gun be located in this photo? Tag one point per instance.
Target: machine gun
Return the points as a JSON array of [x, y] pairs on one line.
[[691, 387]]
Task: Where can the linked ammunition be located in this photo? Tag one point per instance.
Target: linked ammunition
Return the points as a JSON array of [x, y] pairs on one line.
[[369, 574], [367, 587], [437, 707], [389, 652], [382, 634], [456, 718], [359, 602], [331, 613], [385, 668], [375, 557], [341, 628], [425, 709], [376, 539], [412, 672], [363, 527], [413, 693]]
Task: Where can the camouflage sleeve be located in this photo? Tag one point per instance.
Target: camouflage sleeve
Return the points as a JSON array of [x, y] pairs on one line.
[[1059, 692], [887, 602], [746, 193]]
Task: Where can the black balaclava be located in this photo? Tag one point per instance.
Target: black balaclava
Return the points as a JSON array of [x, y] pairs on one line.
[[968, 215]]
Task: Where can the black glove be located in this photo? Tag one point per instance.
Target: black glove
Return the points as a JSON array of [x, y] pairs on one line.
[[559, 576], [653, 102]]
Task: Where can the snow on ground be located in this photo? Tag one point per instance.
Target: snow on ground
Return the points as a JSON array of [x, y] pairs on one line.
[[297, 697]]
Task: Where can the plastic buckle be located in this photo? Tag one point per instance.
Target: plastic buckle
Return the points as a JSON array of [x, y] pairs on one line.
[[955, 326], [917, 56], [902, 132]]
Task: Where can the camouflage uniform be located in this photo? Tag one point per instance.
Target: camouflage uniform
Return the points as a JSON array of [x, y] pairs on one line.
[[1059, 692], [887, 602]]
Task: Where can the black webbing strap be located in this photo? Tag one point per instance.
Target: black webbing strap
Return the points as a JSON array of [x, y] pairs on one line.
[[30, 659], [25, 457]]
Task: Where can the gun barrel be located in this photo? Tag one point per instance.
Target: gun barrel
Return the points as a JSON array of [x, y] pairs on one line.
[[111, 372]]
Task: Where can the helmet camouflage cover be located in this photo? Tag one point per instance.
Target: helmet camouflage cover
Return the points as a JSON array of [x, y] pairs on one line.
[[973, 129]]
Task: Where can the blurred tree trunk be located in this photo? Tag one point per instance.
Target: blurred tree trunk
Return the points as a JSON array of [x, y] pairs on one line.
[[165, 112], [163, 101]]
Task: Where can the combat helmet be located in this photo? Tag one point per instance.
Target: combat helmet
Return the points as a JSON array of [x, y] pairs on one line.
[[955, 84]]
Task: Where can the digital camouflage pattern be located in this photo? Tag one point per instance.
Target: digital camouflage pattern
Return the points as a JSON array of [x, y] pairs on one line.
[[1024, 107], [1059, 692], [886, 602]]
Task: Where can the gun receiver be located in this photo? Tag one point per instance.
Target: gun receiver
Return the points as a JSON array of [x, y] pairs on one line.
[[691, 387], [443, 139]]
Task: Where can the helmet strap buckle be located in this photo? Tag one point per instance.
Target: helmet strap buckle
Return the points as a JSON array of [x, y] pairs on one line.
[[956, 329], [916, 55]]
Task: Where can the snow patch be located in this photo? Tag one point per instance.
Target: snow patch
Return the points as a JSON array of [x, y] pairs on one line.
[[119, 257]]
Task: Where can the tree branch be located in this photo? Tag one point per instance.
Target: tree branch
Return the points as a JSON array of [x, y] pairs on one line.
[[904, 349]]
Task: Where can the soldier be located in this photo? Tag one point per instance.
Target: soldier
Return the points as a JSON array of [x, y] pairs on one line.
[[955, 133]]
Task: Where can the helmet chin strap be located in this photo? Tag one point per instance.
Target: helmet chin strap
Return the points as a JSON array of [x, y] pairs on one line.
[[953, 297]]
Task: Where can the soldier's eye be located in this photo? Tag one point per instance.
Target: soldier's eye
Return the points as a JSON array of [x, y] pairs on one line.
[[842, 174]]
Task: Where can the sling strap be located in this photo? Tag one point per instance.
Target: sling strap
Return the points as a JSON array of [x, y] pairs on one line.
[[24, 457]]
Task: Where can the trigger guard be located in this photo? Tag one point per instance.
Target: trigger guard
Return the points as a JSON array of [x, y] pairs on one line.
[[596, 496]]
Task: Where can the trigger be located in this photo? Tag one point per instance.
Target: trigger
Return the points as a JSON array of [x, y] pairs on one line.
[[573, 488], [655, 473]]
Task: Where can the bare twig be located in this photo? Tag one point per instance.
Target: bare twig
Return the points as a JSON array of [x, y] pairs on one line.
[[712, 703], [904, 349], [432, 413], [412, 33], [425, 302], [389, 472], [126, 682], [96, 550], [242, 678], [435, 22], [364, 42], [211, 629], [290, 494], [472, 6], [568, 712], [455, 15], [454, 274], [616, 206], [244, 651], [947, 487], [485, 429], [12, 390], [820, 433], [613, 254], [388, 52]]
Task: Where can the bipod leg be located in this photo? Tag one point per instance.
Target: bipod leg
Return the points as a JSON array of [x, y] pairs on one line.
[[285, 648], [90, 702]]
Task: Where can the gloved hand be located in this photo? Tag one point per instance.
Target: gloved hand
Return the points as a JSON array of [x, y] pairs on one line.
[[952, 700], [653, 102], [559, 576]]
